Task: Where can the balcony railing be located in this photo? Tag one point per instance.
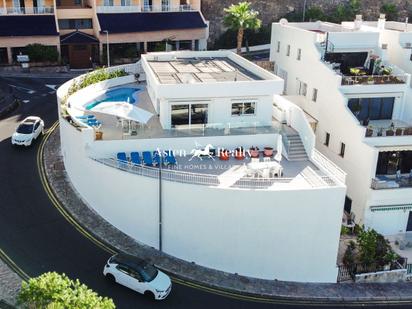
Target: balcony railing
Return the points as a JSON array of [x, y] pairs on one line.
[[30, 10], [209, 179], [389, 131], [392, 182], [119, 9], [329, 166], [374, 80], [167, 8]]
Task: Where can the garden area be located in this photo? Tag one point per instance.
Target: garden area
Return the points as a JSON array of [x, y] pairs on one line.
[[365, 251]]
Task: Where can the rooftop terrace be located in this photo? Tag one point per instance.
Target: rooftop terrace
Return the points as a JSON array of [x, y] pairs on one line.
[[200, 70]]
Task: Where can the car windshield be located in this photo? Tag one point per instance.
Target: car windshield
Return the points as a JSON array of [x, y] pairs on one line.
[[148, 272], [25, 128]]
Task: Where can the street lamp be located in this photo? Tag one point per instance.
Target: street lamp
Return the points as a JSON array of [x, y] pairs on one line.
[[304, 11], [107, 47]]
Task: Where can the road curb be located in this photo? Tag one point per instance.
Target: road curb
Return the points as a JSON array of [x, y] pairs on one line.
[[186, 273], [9, 108]]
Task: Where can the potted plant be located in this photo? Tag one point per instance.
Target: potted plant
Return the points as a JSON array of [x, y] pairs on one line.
[[390, 132], [356, 109], [369, 131], [254, 152], [407, 131], [398, 132], [98, 135], [371, 80], [268, 152], [240, 153], [387, 71]]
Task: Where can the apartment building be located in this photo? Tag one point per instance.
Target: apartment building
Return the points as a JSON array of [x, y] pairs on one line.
[[353, 82], [80, 29]]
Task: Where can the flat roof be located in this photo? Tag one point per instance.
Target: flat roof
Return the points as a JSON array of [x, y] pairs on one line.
[[200, 70]]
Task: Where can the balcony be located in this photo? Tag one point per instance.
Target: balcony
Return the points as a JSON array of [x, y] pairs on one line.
[[27, 10], [167, 8], [388, 128], [119, 9], [383, 182], [373, 79]]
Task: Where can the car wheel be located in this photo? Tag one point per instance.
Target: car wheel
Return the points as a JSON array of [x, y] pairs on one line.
[[149, 295], [111, 278]]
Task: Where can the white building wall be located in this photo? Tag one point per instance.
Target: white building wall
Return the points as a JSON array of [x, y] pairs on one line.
[[287, 235], [330, 109]]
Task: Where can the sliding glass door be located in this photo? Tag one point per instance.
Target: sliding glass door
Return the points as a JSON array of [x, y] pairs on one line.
[[372, 108], [188, 115]]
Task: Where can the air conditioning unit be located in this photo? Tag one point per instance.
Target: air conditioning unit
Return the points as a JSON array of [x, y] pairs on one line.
[[408, 45], [384, 46]]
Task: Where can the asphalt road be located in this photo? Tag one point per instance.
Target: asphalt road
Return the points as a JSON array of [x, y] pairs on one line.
[[38, 239]]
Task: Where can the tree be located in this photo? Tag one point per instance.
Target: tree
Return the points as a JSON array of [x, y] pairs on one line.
[[38, 52], [314, 13], [54, 291], [240, 17], [390, 10]]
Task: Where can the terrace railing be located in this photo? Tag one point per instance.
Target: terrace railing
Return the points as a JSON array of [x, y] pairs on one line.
[[348, 273], [374, 80], [30, 10], [328, 166], [167, 8], [389, 131], [119, 9], [208, 179], [391, 182]]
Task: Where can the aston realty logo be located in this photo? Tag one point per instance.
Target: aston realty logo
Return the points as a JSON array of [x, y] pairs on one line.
[[200, 153]]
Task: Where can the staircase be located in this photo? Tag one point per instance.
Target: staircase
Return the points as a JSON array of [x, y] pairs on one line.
[[296, 151]]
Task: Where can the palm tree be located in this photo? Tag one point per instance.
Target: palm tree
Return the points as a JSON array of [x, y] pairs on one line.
[[240, 17]]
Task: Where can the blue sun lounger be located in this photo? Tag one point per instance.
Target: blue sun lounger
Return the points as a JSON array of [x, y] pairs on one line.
[[121, 159], [147, 158], [169, 158], [156, 158], [135, 158]]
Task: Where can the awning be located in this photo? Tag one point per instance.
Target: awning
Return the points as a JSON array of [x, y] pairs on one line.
[[398, 207], [78, 37], [28, 25], [146, 22], [394, 148]]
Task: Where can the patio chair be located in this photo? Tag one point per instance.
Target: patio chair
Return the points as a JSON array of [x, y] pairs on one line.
[[135, 158], [147, 158], [169, 158], [156, 158], [121, 159]]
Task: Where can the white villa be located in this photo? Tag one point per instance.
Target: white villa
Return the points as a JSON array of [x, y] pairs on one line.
[[272, 209], [353, 82]]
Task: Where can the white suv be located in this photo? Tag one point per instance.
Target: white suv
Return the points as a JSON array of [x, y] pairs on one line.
[[27, 131], [138, 275]]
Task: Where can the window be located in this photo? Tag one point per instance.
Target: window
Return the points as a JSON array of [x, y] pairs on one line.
[[165, 5], [303, 88], [315, 95], [278, 48], [372, 108], [288, 51], [125, 2], [327, 139], [342, 150], [75, 24], [243, 108], [188, 114], [299, 54]]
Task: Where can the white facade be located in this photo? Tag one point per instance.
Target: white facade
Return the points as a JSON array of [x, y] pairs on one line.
[[287, 231], [321, 88]]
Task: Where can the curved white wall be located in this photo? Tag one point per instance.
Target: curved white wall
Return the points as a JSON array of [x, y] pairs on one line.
[[288, 235]]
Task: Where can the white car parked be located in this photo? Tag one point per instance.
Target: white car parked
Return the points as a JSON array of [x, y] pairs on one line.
[[138, 275], [27, 131]]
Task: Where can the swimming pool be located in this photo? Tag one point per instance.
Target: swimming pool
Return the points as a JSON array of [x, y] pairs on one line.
[[116, 95]]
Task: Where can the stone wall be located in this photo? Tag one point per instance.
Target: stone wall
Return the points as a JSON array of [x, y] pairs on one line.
[[273, 10], [382, 276]]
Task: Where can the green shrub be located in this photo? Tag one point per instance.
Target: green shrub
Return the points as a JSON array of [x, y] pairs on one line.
[[39, 53], [52, 290], [344, 230], [349, 258], [314, 13], [99, 76], [390, 10]]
